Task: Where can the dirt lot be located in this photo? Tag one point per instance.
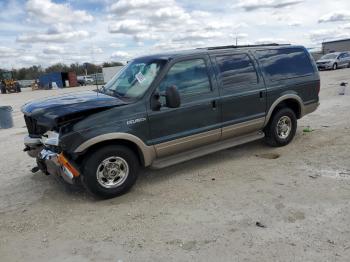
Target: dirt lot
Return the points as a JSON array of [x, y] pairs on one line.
[[203, 210]]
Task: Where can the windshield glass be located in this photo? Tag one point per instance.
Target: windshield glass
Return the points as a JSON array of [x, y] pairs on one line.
[[329, 56], [134, 79]]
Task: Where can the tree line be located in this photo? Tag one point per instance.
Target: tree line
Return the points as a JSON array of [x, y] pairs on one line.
[[33, 72]]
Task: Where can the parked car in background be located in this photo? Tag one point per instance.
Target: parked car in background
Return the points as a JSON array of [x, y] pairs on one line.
[[164, 109], [85, 80], [334, 61]]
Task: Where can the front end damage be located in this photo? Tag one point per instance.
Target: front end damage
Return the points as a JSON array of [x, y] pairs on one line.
[[50, 118], [49, 158]]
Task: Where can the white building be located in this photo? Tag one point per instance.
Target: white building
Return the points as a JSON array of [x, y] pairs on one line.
[[336, 46], [109, 72]]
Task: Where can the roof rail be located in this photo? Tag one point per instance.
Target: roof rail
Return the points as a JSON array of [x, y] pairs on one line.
[[240, 46]]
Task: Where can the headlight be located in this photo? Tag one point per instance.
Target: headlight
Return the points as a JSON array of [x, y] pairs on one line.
[[50, 138]]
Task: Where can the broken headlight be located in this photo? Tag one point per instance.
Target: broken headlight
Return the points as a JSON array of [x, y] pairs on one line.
[[50, 138]]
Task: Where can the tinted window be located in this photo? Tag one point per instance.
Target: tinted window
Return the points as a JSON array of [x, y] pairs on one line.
[[236, 70], [285, 63], [190, 77]]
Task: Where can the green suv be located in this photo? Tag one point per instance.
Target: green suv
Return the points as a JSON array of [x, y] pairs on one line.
[[163, 109]]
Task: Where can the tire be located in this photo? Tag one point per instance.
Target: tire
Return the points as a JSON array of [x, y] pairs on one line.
[[276, 133], [335, 66], [103, 159], [349, 65]]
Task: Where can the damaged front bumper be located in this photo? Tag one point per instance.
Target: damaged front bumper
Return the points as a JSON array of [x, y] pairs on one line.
[[56, 164], [48, 161]]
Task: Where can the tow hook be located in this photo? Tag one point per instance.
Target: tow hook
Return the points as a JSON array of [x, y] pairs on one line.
[[35, 169]]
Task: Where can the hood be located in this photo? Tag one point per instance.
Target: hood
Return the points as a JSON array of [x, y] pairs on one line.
[[47, 111], [325, 60]]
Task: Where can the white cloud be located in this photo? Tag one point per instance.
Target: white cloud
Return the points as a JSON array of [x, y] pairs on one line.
[[55, 31], [120, 55], [49, 12], [128, 26], [117, 45], [126, 6], [252, 5], [193, 36], [53, 50], [338, 16], [53, 37], [271, 40], [28, 59], [295, 23], [7, 52], [321, 35], [97, 50]]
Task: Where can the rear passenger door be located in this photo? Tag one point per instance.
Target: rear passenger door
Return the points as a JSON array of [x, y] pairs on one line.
[[243, 94]]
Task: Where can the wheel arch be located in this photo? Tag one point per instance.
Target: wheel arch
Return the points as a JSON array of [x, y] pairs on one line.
[[146, 154], [292, 101]]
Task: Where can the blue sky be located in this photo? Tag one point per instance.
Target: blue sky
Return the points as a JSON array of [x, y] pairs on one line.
[[44, 32]]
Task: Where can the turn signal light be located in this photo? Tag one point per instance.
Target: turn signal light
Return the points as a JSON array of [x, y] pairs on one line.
[[63, 161]]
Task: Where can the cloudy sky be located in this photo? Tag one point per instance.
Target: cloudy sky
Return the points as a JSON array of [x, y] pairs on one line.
[[44, 32]]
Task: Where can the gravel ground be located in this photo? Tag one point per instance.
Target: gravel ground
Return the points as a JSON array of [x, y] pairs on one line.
[[202, 210]]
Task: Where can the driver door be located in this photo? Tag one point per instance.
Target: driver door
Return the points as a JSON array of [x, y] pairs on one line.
[[197, 121]]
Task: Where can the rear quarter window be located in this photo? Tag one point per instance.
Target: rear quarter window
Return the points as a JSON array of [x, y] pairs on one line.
[[279, 64], [236, 70]]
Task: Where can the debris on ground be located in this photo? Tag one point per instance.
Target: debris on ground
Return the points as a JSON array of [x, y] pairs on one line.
[[268, 155], [307, 129], [259, 224], [342, 88], [331, 242]]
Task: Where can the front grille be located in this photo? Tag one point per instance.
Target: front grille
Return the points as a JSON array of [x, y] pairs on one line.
[[34, 129]]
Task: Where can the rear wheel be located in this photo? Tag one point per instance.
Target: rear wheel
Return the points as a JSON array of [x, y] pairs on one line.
[[110, 171], [281, 128]]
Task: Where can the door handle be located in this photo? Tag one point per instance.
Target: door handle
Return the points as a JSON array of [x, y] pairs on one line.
[[213, 104], [261, 93]]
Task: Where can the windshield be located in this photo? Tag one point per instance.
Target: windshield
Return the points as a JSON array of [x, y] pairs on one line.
[[134, 79], [329, 56]]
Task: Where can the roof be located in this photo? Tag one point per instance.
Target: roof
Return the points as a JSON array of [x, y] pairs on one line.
[[206, 50], [336, 41]]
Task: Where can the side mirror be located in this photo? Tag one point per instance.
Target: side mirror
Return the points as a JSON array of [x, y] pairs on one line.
[[172, 97]]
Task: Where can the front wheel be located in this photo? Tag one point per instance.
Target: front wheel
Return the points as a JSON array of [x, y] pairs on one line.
[[110, 171], [281, 128], [335, 66]]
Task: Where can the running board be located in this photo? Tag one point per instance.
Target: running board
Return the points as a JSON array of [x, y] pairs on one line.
[[205, 150]]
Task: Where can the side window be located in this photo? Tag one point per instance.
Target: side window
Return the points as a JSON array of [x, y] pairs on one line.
[[285, 63], [236, 70], [190, 77]]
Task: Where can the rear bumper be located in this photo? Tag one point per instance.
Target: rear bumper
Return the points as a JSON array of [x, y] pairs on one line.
[[310, 108], [57, 164]]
